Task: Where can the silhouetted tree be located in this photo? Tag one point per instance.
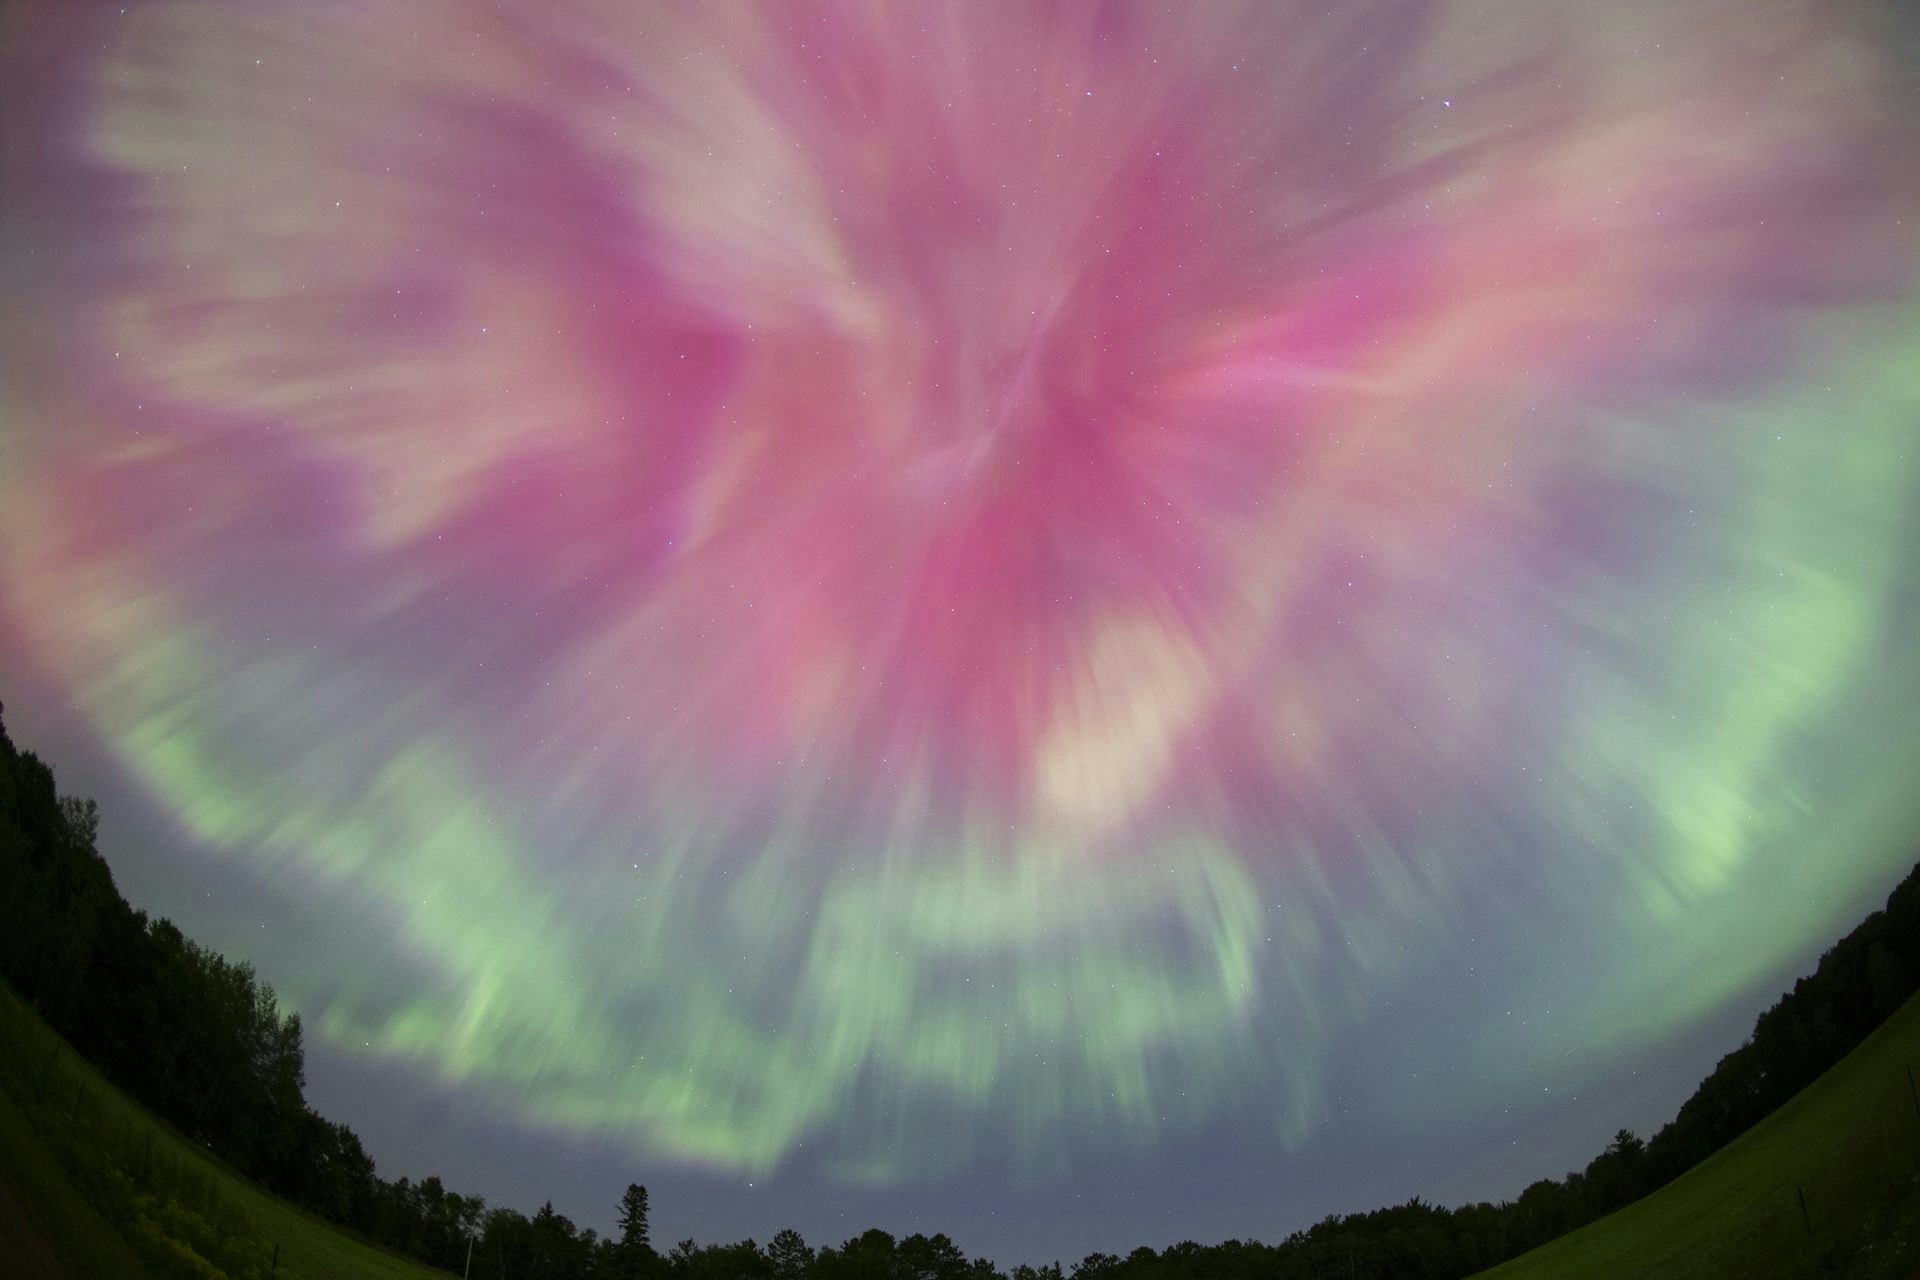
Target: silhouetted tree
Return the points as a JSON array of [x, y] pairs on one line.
[[633, 1219], [788, 1256], [632, 1253]]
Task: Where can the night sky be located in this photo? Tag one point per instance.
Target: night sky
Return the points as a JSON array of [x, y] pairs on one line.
[[1079, 625]]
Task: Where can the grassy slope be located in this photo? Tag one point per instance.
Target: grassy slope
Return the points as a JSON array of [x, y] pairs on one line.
[[59, 1216], [53, 1101], [1850, 1142]]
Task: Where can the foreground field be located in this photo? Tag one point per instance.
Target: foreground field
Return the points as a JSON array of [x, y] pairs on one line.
[[116, 1193], [1849, 1144]]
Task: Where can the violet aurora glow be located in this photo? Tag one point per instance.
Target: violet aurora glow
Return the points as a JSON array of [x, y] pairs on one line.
[[953, 583]]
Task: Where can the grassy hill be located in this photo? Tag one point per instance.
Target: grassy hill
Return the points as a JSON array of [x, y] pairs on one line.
[[1849, 1144], [116, 1193]]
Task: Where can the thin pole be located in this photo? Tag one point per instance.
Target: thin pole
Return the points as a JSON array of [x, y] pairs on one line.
[[468, 1269]]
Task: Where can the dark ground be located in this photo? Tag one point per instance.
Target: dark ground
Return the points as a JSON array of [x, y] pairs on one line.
[[24, 1251]]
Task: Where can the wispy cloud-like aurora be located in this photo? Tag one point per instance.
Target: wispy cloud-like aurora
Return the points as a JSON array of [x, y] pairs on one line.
[[939, 584]]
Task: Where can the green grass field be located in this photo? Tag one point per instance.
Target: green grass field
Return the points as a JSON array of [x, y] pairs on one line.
[[1850, 1143], [118, 1194]]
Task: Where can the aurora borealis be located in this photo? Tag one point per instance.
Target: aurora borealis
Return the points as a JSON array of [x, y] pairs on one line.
[[979, 600]]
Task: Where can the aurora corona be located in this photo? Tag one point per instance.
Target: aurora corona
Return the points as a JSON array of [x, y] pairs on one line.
[[944, 584]]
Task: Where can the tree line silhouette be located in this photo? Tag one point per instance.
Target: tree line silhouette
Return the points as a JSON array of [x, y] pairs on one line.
[[201, 1041]]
